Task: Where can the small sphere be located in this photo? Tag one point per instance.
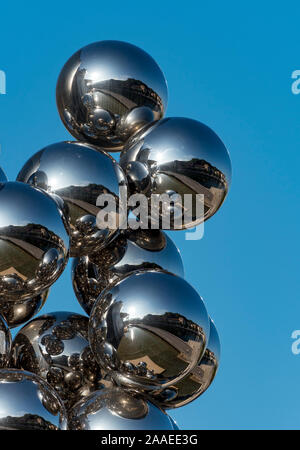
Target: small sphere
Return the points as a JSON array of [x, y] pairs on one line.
[[197, 381], [131, 251], [78, 174], [55, 346], [5, 344], [34, 242], [3, 177], [109, 90], [18, 312], [28, 403], [156, 322], [182, 156], [116, 409]]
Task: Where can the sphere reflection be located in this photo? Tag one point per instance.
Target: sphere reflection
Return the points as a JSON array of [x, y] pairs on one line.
[[3, 177], [17, 312], [5, 344]]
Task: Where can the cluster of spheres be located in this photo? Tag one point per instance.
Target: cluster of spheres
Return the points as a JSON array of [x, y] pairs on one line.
[[144, 343]]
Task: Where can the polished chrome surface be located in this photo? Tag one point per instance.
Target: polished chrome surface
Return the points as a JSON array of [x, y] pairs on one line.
[[55, 346], [3, 177], [197, 381], [131, 251], [77, 173], [34, 243], [149, 330], [109, 90], [28, 403], [18, 312], [181, 156], [116, 409], [5, 344]]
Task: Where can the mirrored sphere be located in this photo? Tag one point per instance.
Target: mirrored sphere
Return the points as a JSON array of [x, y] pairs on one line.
[[109, 90], [131, 251], [149, 330], [197, 381], [178, 156], [3, 177], [34, 243], [55, 346], [78, 173], [17, 312], [5, 344], [116, 409], [28, 403]]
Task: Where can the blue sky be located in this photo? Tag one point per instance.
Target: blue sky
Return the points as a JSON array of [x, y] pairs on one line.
[[229, 65]]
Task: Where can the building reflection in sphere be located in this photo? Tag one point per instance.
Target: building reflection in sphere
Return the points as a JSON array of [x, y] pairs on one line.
[[116, 409], [28, 403], [149, 330], [78, 174], [34, 243], [109, 90], [131, 251], [55, 346], [5, 344]]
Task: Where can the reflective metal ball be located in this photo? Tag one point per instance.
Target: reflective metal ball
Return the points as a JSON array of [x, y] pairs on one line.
[[34, 243], [18, 312], [131, 251], [3, 177], [5, 344], [116, 409], [197, 381], [109, 90], [55, 346], [175, 157], [78, 173], [28, 403], [149, 330]]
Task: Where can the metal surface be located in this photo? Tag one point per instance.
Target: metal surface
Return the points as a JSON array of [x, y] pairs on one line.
[[179, 156], [197, 381], [5, 344], [28, 403], [108, 90], [133, 250], [34, 243], [115, 409], [149, 330], [18, 312], [77, 173], [55, 346]]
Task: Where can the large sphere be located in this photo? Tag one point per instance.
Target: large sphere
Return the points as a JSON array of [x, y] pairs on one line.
[[116, 409], [197, 381], [149, 330], [78, 174], [179, 156], [131, 251], [18, 312], [28, 403], [5, 344], [109, 90], [55, 346], [34, 243], [3, 177]]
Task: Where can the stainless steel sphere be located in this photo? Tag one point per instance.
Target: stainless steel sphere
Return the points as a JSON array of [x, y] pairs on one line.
[[77, 173], [109, 90], [174, 157], [18, 312], [28, 403], [3, 177], [55, 346], [34, 243], [131, 251], [149, 330], [197, 381], [116, 409], [5, 344]]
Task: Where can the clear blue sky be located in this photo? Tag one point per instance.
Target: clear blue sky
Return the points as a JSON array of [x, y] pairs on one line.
[[228, 64]]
